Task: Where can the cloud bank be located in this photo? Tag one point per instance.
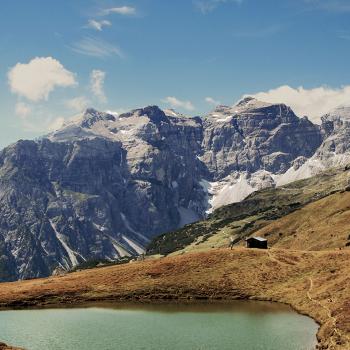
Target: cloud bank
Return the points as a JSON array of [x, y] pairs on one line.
[[310, 102]]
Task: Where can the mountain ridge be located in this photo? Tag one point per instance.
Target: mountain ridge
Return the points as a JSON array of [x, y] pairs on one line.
[[103, 185]]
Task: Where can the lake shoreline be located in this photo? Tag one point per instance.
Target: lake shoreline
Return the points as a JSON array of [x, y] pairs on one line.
[[274, 314], [216, 276]]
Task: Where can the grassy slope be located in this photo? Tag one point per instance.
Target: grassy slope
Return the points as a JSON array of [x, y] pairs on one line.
[[324, 224], [257, 211], [314, 283]]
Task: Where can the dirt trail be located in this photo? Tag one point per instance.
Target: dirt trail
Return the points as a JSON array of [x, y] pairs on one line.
[[336, 332]]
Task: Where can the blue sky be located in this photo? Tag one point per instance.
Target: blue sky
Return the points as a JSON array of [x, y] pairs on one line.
[[57, 57]]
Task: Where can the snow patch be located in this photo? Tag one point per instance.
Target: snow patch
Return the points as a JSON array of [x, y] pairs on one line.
[[128, 226], [228, 191], [119, 248], [234, 188], [63, 240], [135, 246]]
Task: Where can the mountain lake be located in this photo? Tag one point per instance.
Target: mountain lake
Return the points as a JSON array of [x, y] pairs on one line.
[[246, 325]]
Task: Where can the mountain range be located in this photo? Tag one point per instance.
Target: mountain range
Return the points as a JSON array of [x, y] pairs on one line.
[[104, 185]]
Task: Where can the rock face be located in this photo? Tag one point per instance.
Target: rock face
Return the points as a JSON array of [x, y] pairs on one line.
[[248, 146], [333, 152], [103, 185], [252, 136], [100, 188]]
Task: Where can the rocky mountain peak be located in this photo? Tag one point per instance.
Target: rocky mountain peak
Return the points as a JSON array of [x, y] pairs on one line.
[[154, 113], [91, 116], [251, 103], [246, 101]]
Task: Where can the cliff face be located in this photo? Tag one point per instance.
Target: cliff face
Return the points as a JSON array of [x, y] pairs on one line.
[[253, 135], [103, 185], [78, 195], [334, 150]]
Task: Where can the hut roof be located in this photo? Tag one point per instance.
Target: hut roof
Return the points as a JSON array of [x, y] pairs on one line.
[[261, 239]]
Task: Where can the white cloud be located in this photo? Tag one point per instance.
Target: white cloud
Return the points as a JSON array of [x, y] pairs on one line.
[[97, 79], [206, 6], [96, 48], [176, 103], [117, 111], [38, 78], [23, 110], [98, 25], [123, 10], [311, 102], [78, 104], [212, 101]]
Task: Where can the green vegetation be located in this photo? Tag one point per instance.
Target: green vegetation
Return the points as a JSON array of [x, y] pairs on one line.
[[86, 265]]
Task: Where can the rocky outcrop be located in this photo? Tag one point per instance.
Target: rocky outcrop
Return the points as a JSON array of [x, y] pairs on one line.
[[333, 152], [252, 136], [248, 146]]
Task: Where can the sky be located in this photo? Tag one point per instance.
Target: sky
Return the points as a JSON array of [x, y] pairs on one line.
[[59, 57]]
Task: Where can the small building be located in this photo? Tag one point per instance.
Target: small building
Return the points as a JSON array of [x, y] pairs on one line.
[[256, 242]]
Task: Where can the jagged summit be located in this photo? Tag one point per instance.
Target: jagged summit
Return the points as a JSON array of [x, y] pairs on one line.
[[91, 116], [154, 113], [127, 127], [245, 101], [250, 107], [250, 103]]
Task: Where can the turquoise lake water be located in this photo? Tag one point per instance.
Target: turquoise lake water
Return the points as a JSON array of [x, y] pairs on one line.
[[239, 325]]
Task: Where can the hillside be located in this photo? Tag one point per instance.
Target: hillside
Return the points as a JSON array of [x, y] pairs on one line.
[[261, 213], [321, 225], [314, 283]]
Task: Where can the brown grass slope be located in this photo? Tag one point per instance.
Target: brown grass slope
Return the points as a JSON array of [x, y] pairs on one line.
[[3, 346], [255, 212], [322, 225], [314, 283]]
